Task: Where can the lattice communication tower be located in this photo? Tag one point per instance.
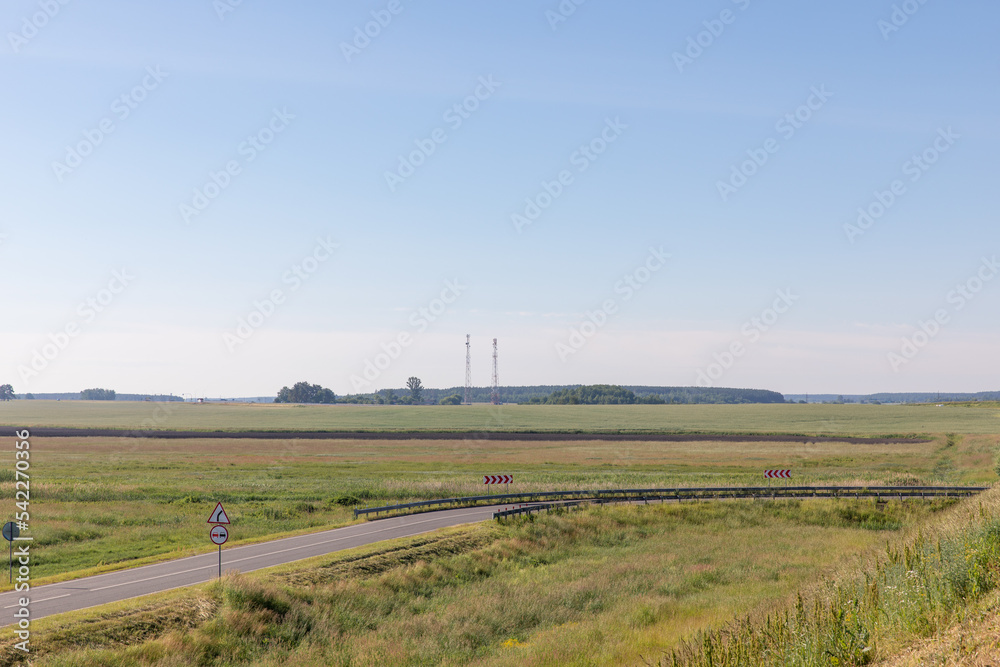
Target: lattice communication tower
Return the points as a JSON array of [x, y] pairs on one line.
[[495, 393], [468, 370]]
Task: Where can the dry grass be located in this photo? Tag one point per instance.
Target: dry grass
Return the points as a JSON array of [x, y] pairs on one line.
[[974, 642], [248, 452]]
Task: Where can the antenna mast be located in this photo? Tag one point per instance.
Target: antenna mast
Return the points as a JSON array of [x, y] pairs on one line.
[[468, 370], [495, 394]]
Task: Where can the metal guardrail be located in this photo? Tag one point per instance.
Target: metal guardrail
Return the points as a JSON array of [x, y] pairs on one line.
[[528, 509], [678, 493], [877, 492]]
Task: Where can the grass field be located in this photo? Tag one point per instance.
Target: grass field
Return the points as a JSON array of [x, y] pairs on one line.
[[112, 502], [770, 418], [602, 586]]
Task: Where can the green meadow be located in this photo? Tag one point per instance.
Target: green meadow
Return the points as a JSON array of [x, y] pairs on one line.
[[815, 419]]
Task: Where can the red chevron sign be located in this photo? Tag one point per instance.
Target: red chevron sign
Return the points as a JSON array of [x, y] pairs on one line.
[[498, 479], [777, 473]]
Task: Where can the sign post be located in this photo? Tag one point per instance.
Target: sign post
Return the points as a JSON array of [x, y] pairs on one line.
[[772, 474], [10, 531], [219, 533]]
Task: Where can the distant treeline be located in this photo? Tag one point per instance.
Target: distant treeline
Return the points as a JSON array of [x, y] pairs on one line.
[[709, 394], [108, 395], [603, 394], [898, 397], [97, 394], [597, 394], [642, 394]]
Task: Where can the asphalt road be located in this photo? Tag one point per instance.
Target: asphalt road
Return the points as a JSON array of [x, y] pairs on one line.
[[125, 584]]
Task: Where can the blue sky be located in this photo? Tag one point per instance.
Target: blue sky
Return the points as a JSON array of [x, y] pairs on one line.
[[866, 309]]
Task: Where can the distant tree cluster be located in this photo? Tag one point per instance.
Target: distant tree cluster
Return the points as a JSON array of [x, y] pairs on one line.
[[303, 392], [413, 395], [6, 392], [97, 395], [597, 394]]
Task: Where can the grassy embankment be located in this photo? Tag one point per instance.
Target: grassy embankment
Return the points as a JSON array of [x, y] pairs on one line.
[[106, 503], [776, 418], [599, 586], [933, 599]]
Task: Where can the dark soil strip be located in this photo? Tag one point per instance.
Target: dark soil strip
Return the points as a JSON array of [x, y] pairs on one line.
[[8, 431]]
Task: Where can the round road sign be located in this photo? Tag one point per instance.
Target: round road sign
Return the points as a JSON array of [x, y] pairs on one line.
[[10, 531], [219, 535]]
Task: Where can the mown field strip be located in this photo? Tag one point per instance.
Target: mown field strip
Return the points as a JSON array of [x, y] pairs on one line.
[[817, 419]]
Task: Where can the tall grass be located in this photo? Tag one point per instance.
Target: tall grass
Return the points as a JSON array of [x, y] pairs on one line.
[[912, 590]]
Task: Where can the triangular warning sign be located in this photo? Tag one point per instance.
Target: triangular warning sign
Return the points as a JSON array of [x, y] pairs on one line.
[[218, 515]]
